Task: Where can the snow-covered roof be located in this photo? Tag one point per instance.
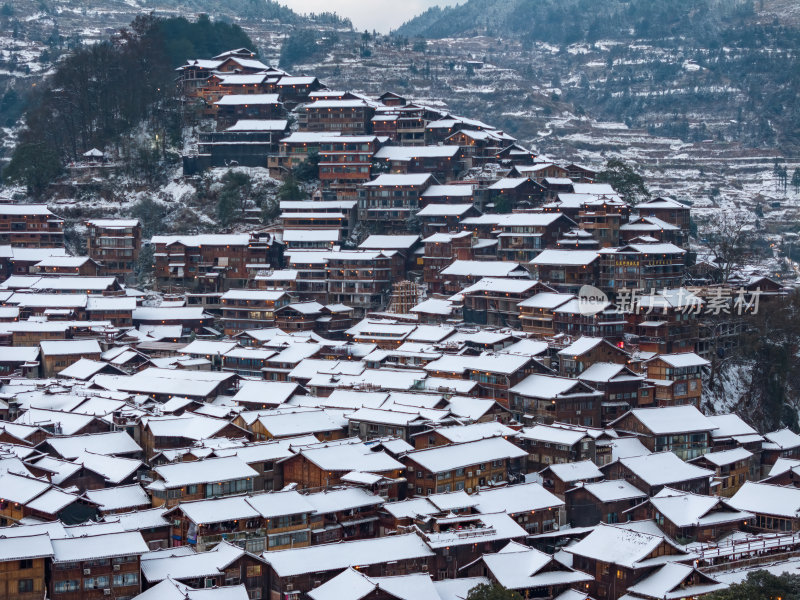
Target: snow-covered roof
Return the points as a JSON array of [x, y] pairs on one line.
[[169, 589], [480, 268], [673, 581], [354, 585], [434, 306], [350, 457], [226, 468], [624, 547], [445, 210], [446, 458], [498, 285], [329, 557], [458, 589], [518, 567], [611, 491], [625, 447], [247, 99], [113, 223], [685, 509], [552, 435], [581, 346], [24, 548], [448, 190], [730, 425], [83, 369], [550, 387], [285, 424], [575, 471], [663, 468], [266, 392], [516, 499], [727, 457], [24, 209], [476, 431], [547, 300], [312, 235], [391, 242], [664, 420], [565, 257], [119, 497], [110, 443], [603, 372], [63, 261], [96, 547], [69, 347], [408, 153], [336, 500], [782, 439], [400, 179], [345, 103], [190, 566], [493, 363], [682, 360], [661, 202]]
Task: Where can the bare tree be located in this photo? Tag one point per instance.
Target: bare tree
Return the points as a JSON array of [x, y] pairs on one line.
[[730, 239]]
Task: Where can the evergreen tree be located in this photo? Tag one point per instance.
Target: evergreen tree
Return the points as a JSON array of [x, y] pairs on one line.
[[227, 204], [625, 180], [796, 180], [308, 170], [289, 190], [761, 585], [486, 591]]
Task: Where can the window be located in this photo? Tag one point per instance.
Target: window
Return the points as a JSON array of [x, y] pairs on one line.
[[125, 579], [26, 564], [94, 583], [25, 585], [253, 570], [69, 585]]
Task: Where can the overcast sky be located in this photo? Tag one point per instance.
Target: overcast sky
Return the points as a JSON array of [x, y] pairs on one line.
[[380, 15]]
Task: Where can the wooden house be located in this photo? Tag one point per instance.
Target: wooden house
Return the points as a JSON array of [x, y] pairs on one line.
[[618, 557], [688, 517], [115, 244], [548, 398], [652, 472], [25, 566], [682, 375], [234, 107], [588, 504], [566, 270], [300, 570], [90, 566], [349, 116], [542, 576], [468, 466], [775, 507], [30, 226]]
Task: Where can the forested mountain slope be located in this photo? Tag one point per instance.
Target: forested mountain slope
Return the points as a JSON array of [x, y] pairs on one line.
[[726, 67]]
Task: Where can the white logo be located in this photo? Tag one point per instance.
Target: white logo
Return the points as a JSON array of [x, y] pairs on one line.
[[591, 300]]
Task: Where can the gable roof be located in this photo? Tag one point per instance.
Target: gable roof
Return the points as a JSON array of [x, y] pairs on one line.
[[663, 468], [329, 557], [664, 420], [624, 547]]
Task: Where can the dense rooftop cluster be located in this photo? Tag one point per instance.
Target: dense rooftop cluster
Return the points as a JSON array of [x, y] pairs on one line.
[[399, 391]]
